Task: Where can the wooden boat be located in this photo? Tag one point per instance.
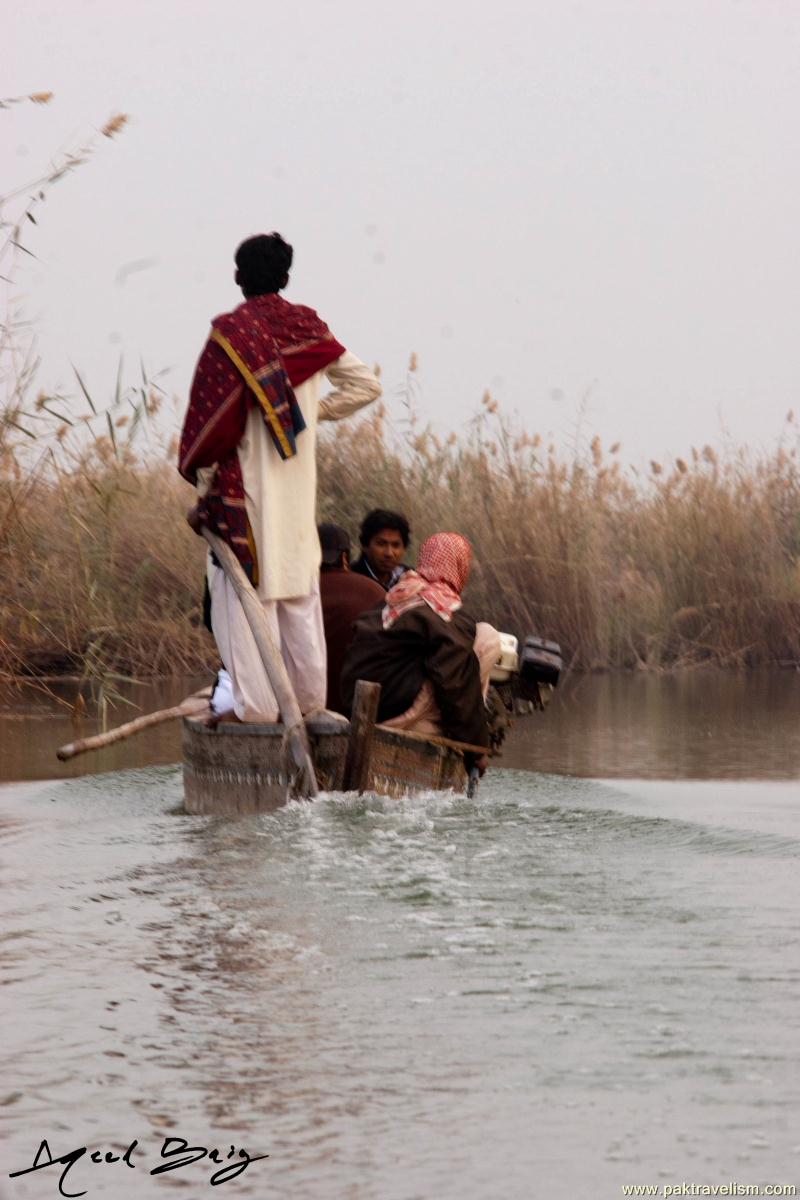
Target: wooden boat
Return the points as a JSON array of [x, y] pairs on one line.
[[229, 767], [236, 768]]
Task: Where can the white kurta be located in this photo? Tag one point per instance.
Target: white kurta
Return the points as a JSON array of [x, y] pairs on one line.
[[281, 500], [295, 627], [281, 495]]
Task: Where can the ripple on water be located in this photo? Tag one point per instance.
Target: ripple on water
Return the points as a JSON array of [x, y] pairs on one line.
[[338, 982]]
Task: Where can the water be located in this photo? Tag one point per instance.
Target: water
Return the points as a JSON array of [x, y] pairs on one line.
[[35, 722], [563, 987], [695, 725]]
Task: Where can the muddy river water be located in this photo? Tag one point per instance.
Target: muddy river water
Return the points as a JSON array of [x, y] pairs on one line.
[[584, 980]]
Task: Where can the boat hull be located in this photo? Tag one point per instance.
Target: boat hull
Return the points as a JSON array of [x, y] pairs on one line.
[[237, 768]]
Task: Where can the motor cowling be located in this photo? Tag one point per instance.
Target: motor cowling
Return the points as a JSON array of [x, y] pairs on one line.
[[521, 683], [539, 662]]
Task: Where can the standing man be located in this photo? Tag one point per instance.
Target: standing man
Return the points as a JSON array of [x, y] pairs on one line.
[[384, 540], [249, 445], [345, 596]]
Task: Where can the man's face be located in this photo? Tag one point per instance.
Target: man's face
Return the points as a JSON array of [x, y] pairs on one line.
[[384, 551]]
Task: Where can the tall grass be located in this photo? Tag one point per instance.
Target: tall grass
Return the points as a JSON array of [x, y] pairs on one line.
[[99, 574], [694, 563], [66, 475]]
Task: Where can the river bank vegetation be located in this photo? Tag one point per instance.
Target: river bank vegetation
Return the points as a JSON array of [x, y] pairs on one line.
[[694, 562]]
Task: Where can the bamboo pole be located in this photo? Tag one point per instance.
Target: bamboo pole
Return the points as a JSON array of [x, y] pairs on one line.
[[306, 782], [192, 706]]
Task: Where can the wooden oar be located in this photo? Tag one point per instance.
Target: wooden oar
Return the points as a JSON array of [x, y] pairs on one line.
[[306, 781], [192, 706]]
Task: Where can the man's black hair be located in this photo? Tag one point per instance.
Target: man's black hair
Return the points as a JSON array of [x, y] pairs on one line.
[[335, 546], [382, 518], [262, 264]]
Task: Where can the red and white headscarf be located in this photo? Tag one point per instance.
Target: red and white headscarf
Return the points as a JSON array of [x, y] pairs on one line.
[[442, 571]]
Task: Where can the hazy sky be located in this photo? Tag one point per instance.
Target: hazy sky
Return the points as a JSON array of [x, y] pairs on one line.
[[550, 200]]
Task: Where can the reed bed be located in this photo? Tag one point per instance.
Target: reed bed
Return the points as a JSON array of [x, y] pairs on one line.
[[693, 563], [100, 575]]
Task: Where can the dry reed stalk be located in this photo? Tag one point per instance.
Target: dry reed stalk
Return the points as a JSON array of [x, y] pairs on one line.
[[690, 564], [701, 564]]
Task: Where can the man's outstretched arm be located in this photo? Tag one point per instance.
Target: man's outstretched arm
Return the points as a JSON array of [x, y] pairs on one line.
[[354, 386]]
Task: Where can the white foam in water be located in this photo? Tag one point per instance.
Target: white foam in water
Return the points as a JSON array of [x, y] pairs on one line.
[[559, 989]]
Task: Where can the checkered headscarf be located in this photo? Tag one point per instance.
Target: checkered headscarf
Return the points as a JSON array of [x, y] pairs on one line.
[[441, 575]]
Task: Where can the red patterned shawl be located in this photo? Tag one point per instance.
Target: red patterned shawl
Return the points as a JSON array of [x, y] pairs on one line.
[[254, 355], [442, 571]]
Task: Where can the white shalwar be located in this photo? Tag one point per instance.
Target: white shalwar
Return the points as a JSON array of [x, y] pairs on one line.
[[280, 495]]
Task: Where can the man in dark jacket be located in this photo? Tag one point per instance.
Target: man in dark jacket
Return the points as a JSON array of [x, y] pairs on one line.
[[344, 597], [430, 657]]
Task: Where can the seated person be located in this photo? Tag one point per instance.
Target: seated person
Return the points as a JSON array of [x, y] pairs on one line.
[[430, 657], [344, 596], [384, 540]]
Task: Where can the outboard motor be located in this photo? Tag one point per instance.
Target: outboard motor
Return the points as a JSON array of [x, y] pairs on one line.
[[540, 663], [521, 682]]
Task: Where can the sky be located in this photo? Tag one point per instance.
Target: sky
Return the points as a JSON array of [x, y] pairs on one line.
[[588, 208]]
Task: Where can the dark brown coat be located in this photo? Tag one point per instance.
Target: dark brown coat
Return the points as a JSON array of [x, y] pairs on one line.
[[419, 646], [344, 597]]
